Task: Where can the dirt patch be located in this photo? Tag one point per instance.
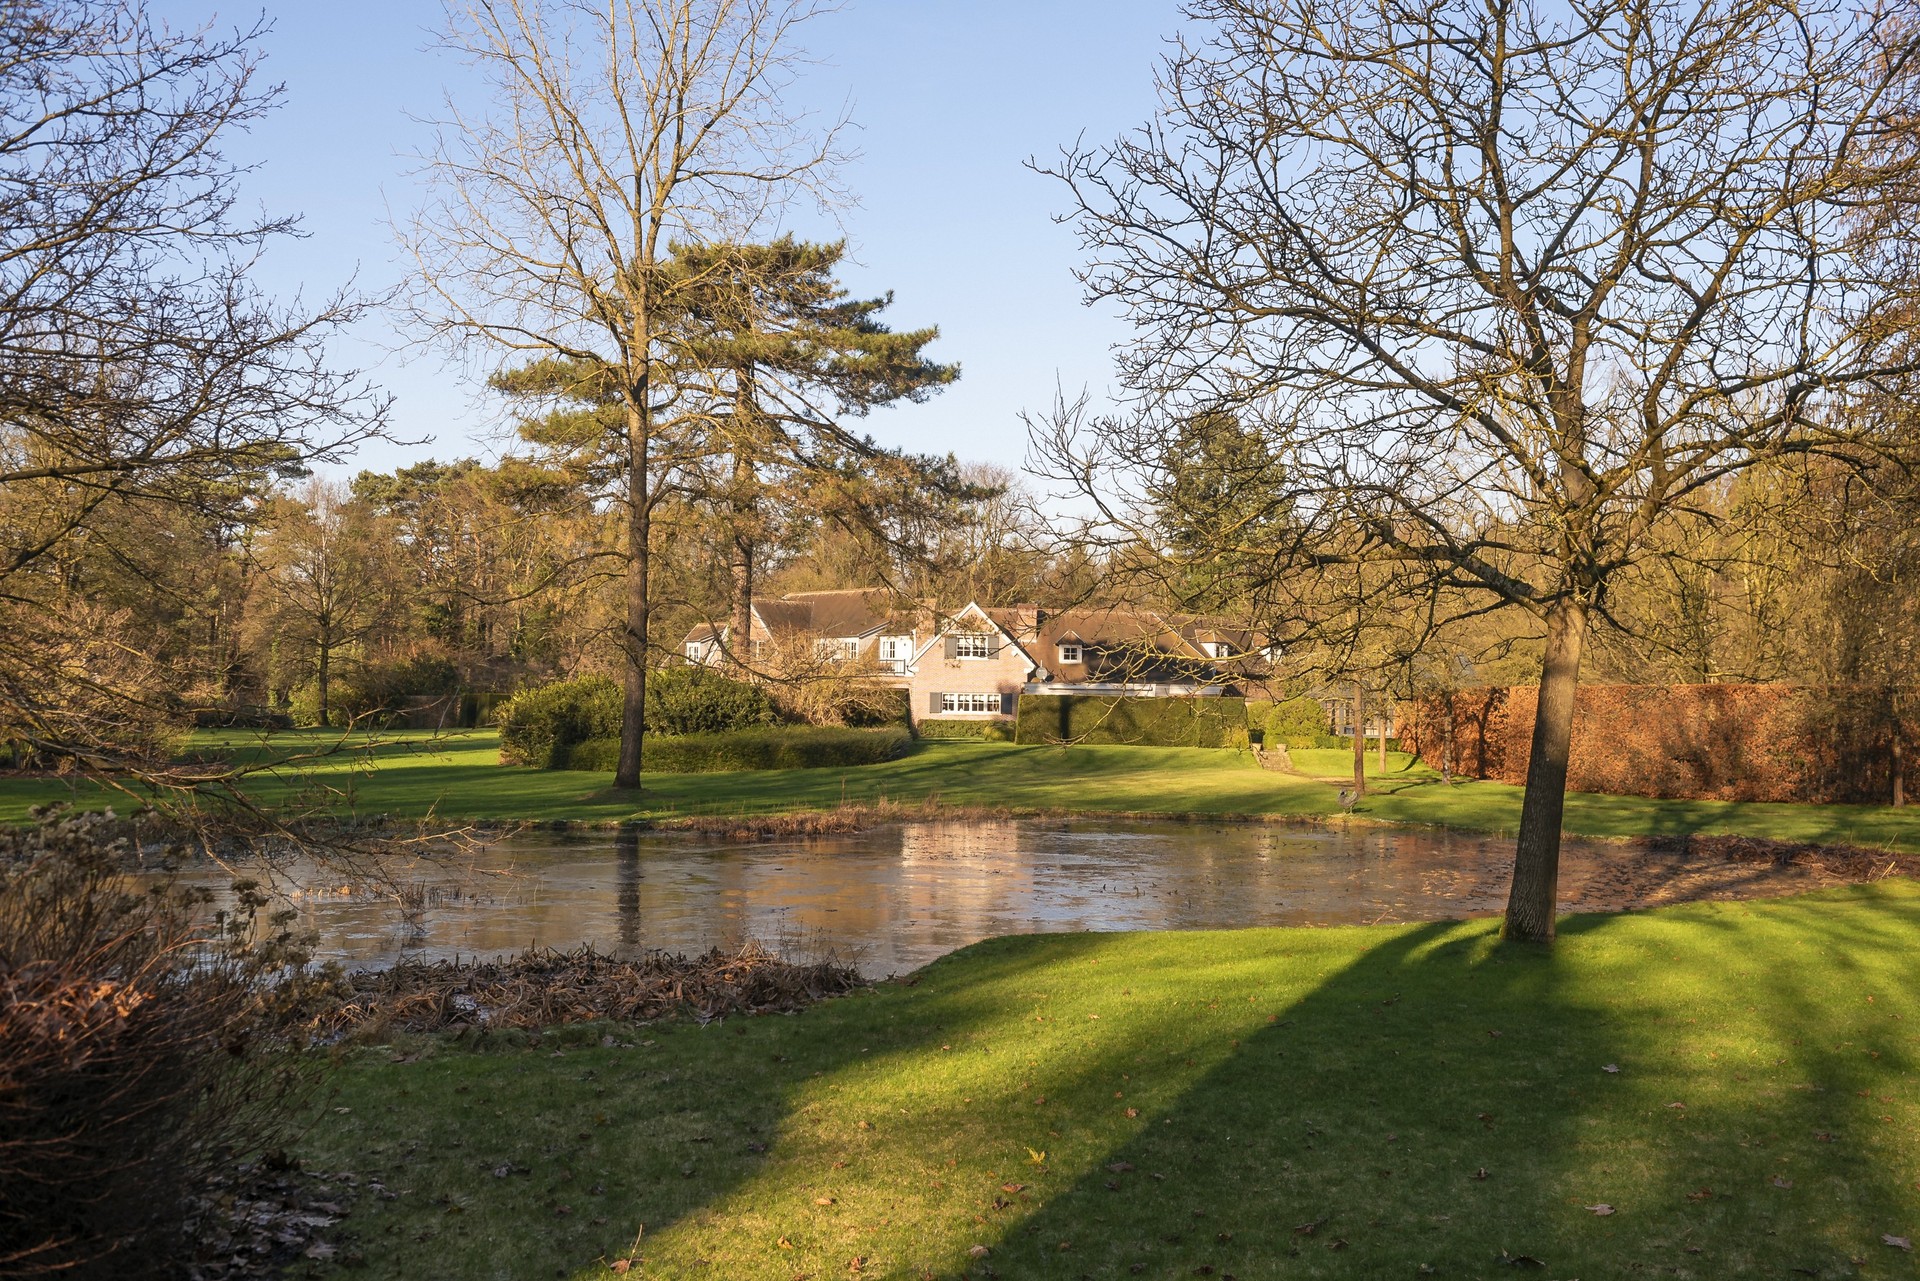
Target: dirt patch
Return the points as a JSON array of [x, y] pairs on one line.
[[1695, 868], [545, 988]]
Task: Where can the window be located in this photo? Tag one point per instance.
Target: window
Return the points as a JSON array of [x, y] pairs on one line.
[[970, 703], [895, 651], [696, 652], [1069, 651], [1220, 649], [972, 645]]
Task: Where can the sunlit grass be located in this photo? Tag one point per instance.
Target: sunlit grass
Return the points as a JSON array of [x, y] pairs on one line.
[[1319, 1103], [458, 776]]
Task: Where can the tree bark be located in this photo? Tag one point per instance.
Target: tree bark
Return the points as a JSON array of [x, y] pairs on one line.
[[325, 674], [633, 710], [1385, 725], [745, 513], [1899, 769], [1536, 858], [1359, 740]]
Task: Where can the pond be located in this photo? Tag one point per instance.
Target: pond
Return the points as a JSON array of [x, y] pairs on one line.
[[894, 897]]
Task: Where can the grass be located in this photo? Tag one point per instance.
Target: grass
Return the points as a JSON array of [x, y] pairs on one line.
[[1364, 1103], [458, 776]]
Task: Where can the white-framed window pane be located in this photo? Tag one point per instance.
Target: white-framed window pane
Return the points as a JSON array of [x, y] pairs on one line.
[[971, 645], [1069, 653], [970, 702]]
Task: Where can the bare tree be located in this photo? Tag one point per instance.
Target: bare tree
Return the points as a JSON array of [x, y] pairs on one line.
[[1504, 282], [326, 586], [617, 128], [139, 364]]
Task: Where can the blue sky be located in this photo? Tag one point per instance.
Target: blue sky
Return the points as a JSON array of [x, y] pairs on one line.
[[950, 98]]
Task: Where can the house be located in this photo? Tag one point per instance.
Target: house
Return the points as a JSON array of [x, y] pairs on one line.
[[849, 626], [981, 659], [976, 662]]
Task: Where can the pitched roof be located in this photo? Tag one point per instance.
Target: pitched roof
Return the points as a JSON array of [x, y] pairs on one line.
[[851, 612]]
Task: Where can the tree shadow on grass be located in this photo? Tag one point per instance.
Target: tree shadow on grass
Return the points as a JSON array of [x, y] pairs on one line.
[[1313, 1102], [1444, 1103]]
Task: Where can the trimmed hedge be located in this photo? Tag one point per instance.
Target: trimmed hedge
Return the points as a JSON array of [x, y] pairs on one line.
[[539, 727], [684, 699], [776, 747], [955, 728], [1296, 722], [1145, 722]]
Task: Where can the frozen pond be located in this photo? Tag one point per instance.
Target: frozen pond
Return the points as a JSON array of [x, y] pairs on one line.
[[894, 897]]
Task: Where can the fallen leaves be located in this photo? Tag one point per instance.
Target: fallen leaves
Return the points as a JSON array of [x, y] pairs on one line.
[[1898, 1243], [1603, 1209], [1610, 1068], [1781, 1181], [1700, 1194]]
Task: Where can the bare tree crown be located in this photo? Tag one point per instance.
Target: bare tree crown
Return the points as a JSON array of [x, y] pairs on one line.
[[1502, 280]]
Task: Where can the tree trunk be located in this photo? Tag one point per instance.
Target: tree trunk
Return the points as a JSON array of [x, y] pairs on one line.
[[325, 676], [1899, 769], [1536, 858], [633, 710], [1385, 725], [740, 642], [1359, 740]]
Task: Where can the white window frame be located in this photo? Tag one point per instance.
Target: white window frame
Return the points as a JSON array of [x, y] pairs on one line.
[[973, 645], [970, 704], [894, 652], [1070, 652], [696, 651], [1221, 649]]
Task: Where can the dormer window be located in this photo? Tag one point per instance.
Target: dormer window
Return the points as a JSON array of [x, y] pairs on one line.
[[1219, 649], [1070, 652]]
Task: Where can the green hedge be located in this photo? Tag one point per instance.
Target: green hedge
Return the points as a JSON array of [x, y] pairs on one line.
[[980, 731], [1293, 722], [777, 747], [539, 726], [1146, 722]]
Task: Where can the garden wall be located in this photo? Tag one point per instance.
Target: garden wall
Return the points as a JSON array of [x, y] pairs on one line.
[[1711, 742]]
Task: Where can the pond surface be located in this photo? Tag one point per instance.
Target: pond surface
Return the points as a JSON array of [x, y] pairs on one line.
[[893, 898]]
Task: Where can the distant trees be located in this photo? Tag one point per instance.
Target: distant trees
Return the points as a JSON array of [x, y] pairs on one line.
[[140, 367], [616, 129], [1507, 286]]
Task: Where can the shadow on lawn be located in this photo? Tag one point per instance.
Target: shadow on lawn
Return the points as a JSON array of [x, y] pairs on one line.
[[1350, 1141]]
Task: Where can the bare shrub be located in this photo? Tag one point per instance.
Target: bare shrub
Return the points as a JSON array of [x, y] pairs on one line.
[[137, 1065]]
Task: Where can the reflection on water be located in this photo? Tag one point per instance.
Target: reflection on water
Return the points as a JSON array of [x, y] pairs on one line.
[[895, 897]]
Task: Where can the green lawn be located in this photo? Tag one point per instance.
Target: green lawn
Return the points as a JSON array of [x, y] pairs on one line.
[[459, 777], [1369, 1102]]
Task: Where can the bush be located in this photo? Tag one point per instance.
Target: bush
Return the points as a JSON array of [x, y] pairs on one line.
[[137, 1066], [983, 731], [1295, 722], [1145, 722], [539, 727], [779, 747], [684, 699]]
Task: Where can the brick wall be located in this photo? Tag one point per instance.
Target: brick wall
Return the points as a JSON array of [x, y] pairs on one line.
[[1001, 674], [1714, 742]]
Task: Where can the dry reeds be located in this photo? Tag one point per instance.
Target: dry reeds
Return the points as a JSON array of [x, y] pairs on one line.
[[543, 988]]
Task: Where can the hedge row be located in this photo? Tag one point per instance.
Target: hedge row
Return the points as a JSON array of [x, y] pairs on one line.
[[997, 731], [779, 747], [540, 727], [1294, 722], [1144, 722], [1714, 742]]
